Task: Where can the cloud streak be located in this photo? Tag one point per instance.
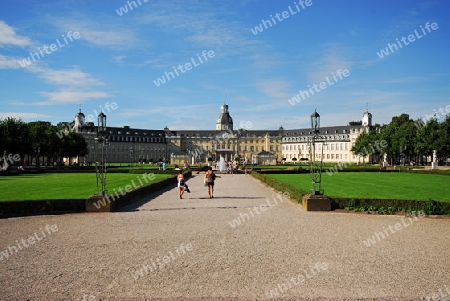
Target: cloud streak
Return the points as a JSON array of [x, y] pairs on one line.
[[8, 36], [70, 97]]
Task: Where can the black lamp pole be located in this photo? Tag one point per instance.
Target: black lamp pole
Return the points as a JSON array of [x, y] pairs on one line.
[[103, 143], [316, 167]]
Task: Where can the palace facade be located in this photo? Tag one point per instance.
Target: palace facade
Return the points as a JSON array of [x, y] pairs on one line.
[[248, 146], [127, 145], [337, 148]]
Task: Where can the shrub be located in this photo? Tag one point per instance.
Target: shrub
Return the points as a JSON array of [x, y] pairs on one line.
[[430, 207], [390, 206]]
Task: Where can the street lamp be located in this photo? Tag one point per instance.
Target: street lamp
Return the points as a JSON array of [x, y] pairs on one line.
[[103, 142], [316, 200], [316, 167], [315, 122], [101, 123]]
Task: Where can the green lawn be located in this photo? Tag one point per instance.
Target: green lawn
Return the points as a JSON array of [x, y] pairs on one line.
[[64, 185], [405, 186]]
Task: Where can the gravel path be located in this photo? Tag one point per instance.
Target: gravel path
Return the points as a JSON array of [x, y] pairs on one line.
[[164, 247]]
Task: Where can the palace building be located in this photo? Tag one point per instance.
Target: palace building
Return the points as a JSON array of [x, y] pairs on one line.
[[339, 141], [128, 145], [246, 145], [125, 145]]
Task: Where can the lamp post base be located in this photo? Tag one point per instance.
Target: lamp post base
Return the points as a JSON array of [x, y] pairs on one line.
[[99, 203], [316, 203]]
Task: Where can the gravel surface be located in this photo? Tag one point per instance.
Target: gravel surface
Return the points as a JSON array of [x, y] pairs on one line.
[[164, 248]]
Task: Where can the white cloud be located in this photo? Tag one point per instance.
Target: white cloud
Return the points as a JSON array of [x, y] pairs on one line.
[[201, 24], [244, 98], [118, 59], [72, 78], [274, 88], [9, 62], [17, 103], [100, 33], [8, 36], [70, 96], [76, 86], [333, 59]]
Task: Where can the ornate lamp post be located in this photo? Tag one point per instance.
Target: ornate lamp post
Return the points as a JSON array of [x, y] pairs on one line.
[[316, 167], [103, 142], [316, 200]]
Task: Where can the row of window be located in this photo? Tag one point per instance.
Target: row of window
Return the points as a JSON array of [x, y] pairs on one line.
[[240, 148], [318, 156], [331, 146], [232, 140], [114, 157], [137, 139], [125, 148]]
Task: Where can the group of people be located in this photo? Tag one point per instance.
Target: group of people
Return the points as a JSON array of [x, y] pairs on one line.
[[161, 165], [208, 180], [231, 167]]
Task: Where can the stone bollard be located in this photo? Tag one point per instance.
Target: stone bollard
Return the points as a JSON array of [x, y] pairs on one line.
[[99, 203], [316, 203]]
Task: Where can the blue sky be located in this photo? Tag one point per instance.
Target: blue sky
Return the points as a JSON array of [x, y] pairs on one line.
[[118, 57]]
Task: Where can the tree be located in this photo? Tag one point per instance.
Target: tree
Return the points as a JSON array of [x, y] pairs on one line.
[[393, 133], [13, 131], [444, 138], [404, 139], [367, 144], [73, 144], [355, 123], [428, 138], [38, 145]]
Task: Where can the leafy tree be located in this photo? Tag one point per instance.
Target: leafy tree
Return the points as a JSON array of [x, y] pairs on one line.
[[355, 123], [73, 144], [40, 139], [404, 139], [396, 135], [38, 143], [428, 138], [444, 138], [367, 144], [13, 137]]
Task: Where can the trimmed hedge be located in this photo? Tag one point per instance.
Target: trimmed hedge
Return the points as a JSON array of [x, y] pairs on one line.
[[391, 205], [383, 206], [354, 169], [282, 171], [19, 208]]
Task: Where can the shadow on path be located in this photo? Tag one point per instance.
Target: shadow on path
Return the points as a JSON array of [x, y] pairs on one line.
[[193, 208], [144, 200]]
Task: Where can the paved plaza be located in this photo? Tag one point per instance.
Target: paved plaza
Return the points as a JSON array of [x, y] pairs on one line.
[[247, 243]]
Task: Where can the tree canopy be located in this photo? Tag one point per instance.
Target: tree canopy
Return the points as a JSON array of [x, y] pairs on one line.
[[40, 139], [408, 139]]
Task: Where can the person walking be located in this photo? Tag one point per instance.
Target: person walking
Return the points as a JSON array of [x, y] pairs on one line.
[[210, 177], [180, 179]]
